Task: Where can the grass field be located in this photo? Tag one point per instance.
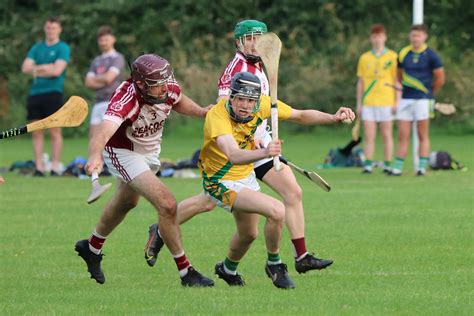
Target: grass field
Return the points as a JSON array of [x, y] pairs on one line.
[[401, 245]]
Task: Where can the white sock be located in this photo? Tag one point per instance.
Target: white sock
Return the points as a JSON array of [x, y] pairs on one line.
[[229, 271], [396, 171], [183, 272], [302, 256], [94, 250]]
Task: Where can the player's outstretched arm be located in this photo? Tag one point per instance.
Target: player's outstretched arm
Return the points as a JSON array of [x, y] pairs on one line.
[[186, 106], [315, 117]]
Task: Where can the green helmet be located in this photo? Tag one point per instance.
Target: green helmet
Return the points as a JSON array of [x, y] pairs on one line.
[[249, 27]]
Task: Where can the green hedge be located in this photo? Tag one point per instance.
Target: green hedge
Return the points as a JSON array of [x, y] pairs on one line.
[[322, 42]]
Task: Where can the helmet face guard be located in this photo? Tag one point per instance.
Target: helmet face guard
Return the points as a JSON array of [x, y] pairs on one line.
[[248, 28], [151, 70], [247, 86]]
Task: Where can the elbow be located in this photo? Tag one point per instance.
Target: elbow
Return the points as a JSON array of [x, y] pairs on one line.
[[108, 81], [25, 70], [233, 160], [57, 70], [88, 84]]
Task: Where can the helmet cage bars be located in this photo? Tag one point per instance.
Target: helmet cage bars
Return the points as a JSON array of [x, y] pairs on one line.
[[151, 70], [247, 89], [247, 86], [250, 57], [249, 28]]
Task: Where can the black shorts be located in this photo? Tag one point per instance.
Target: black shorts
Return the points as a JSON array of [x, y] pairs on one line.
[[40, 106], [262, 170]]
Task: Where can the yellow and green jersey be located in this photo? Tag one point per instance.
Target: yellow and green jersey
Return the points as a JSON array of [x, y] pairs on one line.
[[213, 163], [417, 71], [378, 74]]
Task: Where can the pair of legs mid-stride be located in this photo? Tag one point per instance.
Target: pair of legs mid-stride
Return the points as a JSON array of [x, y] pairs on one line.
[[129, 189], [284, 183]]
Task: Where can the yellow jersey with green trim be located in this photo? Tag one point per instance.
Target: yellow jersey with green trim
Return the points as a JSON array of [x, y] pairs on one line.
[[417, 71], [213, 163], [378, 73]]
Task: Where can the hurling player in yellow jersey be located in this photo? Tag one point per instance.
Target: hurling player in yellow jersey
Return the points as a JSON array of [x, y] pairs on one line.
[[228, 177], [376, 97], [284, 183]]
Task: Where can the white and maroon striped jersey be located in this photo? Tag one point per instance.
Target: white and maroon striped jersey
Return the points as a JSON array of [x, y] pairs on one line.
[[141, 124], [238, 64]]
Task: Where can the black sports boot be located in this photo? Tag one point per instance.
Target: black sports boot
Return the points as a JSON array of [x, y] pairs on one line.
[[310, 262], [153, 246], [232, 280], [92, 260], [195, 279], [279, 275]]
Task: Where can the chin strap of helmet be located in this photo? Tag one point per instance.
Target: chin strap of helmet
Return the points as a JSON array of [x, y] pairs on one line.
[[252, 58]]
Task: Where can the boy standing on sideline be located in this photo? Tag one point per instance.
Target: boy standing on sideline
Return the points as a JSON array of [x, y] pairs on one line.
[[377, 96], [46, 62], [421, 73], [104, 75]]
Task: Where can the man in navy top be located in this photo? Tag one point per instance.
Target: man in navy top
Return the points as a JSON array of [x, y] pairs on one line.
[[421, 73]]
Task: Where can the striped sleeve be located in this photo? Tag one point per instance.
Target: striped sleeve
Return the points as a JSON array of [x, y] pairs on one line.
[[122, 104], [223, 84], [174, 92]]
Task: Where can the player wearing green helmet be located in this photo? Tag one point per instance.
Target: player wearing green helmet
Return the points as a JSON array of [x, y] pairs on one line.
[[244, 34], [283, 182]]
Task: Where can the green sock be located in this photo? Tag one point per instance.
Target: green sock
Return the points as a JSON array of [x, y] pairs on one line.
[[386, 164], [273, 258], [423, 163], [368, 163], [230, 267], [398, 164]]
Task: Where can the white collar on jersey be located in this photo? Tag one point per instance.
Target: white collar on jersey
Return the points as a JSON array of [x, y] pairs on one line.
[[112, 53]]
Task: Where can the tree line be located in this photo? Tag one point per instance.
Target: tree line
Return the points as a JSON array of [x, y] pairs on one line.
[[322, 41]]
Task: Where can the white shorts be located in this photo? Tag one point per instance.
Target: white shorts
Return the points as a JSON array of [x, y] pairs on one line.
[[98, 111], [265, 138], [377, 113], [224, 192], [127, 165], [413, 109]]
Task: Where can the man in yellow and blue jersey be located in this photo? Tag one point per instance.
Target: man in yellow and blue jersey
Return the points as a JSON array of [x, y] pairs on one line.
[[376, 97], [421, 73]]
